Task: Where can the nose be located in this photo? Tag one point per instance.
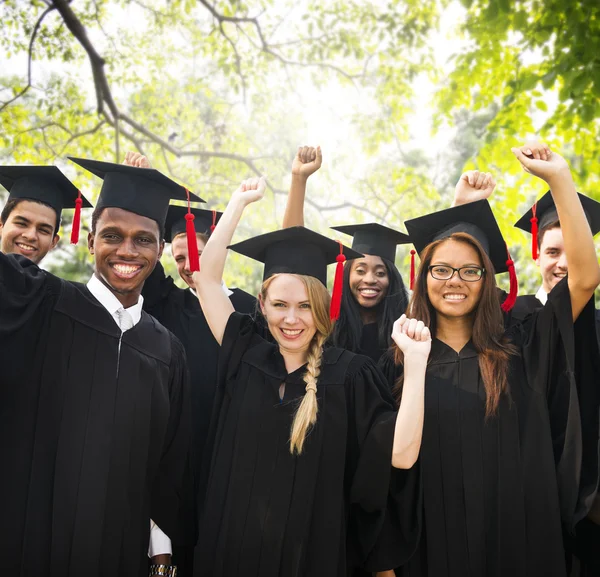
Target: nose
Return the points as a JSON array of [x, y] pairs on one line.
[[127, 248], [455, 279], [370, 278], [291, 317], [562, 261], [187, 265], [30, 233]]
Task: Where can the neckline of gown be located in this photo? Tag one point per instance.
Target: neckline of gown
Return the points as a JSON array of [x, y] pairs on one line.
[[444, 353]]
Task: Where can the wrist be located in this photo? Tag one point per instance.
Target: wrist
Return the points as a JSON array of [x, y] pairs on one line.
[[297, 177], [415, 360], [561, 177]]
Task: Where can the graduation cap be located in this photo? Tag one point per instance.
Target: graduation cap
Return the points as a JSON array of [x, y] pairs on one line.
[[204, 220], [45, 184], [475, 219], [143, 191], [376, 239], [298, 250], [543, 213]]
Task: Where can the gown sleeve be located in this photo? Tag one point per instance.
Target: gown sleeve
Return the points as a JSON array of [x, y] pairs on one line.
[[385, 503], [22, 290], [157, 287], [172, 503], [561, 360]]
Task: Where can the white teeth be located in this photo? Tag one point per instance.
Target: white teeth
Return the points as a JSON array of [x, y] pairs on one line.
[[291, 333], [455, 297], [124, 269], [369, 292], [25, 246]]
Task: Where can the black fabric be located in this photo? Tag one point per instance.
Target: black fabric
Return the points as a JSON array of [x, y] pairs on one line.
[[374, 239], [179, 310], [369, 342], [94, 430], [176, 223], [498, 491], [268, 513]]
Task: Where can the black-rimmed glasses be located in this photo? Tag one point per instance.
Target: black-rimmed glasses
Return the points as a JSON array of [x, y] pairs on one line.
[[466, 273]]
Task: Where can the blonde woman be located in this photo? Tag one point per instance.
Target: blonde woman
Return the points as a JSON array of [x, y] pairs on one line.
[[305, 441]]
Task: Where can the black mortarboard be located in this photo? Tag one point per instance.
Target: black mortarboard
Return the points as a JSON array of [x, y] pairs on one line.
[[475, 218], [46, 184], [374, 239], [144, 191], [204, 221], [543, 213], [298, 250]]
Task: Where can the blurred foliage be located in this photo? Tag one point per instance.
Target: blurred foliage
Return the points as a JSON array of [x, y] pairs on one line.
[[215, 91]]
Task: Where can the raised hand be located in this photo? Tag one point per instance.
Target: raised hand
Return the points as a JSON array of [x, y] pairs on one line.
[[412, 337], [473, 185], [537, 159], [250, 190], [307, 161], [136, 159]]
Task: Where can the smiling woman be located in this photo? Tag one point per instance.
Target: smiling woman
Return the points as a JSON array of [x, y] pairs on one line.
[[497, 457]]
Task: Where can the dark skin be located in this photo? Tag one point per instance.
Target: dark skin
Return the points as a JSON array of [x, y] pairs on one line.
[[126, 248]]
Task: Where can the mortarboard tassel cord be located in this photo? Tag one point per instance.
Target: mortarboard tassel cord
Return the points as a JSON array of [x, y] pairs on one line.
[[76, 219], [412, 268], [190, 232], [534, 233], [510, 300], [336, 293], [214, 222]]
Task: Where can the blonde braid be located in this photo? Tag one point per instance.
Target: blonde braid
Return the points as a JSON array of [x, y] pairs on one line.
[[306, 415]]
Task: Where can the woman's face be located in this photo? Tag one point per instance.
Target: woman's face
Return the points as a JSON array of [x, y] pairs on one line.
[[288, 313], [454, 297], [369, 280]]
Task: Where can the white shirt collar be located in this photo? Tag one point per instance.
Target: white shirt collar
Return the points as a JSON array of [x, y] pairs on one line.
[[111, 303], [225, 290], [542, 296]]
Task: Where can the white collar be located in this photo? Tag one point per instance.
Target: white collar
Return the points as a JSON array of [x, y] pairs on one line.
[[225, 290], [111, 303], [542, 296]]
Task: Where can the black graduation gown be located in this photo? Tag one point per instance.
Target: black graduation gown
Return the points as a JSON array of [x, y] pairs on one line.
[[270, 514], [94, 430], [369, 342], [179, 311], [498, 491]]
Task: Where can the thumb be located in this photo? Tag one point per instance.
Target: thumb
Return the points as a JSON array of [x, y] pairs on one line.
[[524, 160], [319, 158], [262, 184]]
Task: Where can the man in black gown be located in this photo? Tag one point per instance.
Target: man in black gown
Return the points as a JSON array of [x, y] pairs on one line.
[[94, 403], [30, 219], [179, 310]]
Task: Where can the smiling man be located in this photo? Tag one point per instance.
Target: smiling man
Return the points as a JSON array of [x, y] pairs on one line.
[[30, 220], [95, 390]]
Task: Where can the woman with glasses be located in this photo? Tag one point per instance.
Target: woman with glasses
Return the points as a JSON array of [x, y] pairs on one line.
[[501, 450]]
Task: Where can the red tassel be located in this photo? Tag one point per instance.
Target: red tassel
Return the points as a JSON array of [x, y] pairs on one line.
[[534, 233], [510, 300], [214, 223], [336, 294], [76, 219], [412, 268], [192, 243]]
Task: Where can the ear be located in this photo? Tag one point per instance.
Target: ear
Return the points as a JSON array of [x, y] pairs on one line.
[[262, 305], [161, 248], [91, 242], [55, 241]]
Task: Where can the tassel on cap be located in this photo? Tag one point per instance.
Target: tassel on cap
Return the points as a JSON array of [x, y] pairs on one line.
[[510, 300], [75, 226], [336, 294], [190, 232], [214, 222], [534, 233], [412, 268]]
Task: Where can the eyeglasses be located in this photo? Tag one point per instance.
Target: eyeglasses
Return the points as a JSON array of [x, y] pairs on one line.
[[466, 273]]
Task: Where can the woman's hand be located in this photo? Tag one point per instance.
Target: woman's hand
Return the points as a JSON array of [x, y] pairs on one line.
[[537, 159], [250, 190], [412, 337]]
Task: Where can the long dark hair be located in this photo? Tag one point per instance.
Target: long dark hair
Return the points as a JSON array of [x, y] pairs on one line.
[[348, 327], [488, 338]]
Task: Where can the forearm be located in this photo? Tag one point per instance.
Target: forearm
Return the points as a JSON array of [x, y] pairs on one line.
[[584, 272], [409, 423], [215, 251], [294, 208]]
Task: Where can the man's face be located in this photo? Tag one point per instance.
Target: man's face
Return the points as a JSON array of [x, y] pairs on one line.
[[126, 248], [179, 249], [552, 259], [29, 230]]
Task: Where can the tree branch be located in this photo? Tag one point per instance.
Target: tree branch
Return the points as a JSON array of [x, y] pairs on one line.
[[29, 58]]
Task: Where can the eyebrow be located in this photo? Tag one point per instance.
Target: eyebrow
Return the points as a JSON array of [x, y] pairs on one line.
[[27, 221], [120, 231], [286, 302], [461, 266]]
